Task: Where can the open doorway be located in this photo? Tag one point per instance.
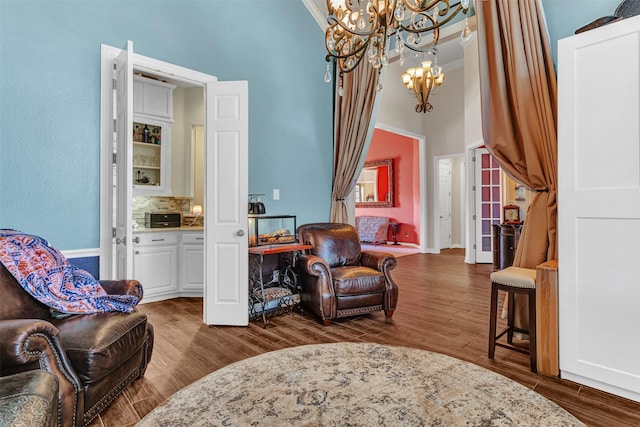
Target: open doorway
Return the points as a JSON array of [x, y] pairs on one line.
[[225, 121]]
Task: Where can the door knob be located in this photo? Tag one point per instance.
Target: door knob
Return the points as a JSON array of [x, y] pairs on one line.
[[240, 233], [137, 239]]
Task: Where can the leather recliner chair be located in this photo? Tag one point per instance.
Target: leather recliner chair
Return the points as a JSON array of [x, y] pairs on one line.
[[94, 356], [338, 279]]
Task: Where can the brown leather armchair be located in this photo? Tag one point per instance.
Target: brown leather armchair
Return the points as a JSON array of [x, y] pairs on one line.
[[338, 279], [94, 356]]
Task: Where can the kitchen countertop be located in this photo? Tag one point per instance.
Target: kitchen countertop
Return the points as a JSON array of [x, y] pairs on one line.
[[165, 229]]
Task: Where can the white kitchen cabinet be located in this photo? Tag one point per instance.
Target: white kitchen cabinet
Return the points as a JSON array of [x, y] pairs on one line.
[[155, 264], [152, 120], [599, 207], [192, 263], [152, 98]]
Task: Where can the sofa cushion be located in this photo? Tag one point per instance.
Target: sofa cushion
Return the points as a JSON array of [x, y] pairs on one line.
[[357, 280], [97, 344], [372, 229]]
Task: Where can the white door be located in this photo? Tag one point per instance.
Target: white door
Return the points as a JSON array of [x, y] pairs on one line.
[[599, 208], [226, 192], [124, 147], [444, 167], [488, 203]]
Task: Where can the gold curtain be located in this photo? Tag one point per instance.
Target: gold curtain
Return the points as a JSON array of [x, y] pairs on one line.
[[519, 116], [354, 122]]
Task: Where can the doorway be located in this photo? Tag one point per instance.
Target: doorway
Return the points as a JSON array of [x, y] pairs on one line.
[[226, 152]]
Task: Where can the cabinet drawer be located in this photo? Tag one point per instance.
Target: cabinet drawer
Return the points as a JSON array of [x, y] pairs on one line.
[[147, 239], [193, 238]]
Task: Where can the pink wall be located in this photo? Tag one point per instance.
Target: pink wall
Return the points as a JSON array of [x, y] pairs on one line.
[[406, 183]]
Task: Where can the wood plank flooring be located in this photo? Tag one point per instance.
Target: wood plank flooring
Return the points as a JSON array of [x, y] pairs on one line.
[[443, 307]]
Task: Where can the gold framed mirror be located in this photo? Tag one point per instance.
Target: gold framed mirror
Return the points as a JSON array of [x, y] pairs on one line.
[[374, 188]]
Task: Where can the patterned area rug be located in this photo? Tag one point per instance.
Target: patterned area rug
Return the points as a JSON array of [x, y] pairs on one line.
[[395, 250], [356, 384]]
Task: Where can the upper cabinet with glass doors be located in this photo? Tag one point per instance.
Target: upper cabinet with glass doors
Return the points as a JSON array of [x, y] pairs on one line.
[[152, 120]]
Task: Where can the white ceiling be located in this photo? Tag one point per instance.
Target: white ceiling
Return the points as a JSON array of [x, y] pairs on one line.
[[450, 49]]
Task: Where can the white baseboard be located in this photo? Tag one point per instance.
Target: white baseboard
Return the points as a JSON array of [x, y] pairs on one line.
[[81, 253]]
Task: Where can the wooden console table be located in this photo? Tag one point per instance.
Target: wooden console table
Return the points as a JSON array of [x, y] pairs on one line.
[[278, 293]]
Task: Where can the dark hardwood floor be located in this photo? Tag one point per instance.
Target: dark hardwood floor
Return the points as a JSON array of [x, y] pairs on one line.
[[443, 307]]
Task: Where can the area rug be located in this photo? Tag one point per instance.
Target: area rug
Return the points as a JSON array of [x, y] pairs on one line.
[[356, 384], [395, 250]]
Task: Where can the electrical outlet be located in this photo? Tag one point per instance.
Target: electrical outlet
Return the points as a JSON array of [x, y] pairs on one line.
[[276, 194]]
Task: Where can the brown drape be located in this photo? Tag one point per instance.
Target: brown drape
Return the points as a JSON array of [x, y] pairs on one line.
[[519, 113], [519, 116], [353, 127]]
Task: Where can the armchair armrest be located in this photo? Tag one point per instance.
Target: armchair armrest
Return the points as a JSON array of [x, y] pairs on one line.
[[317, 287], [32, 342], [123, 287], [313, 265], [378, 260]]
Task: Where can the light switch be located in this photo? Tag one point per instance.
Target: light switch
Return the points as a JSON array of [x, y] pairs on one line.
[[276, 194]]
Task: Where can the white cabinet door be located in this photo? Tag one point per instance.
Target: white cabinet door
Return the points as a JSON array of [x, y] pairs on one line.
[[599, 207], [153, 98], [192, 263], [226, 191], [123, 190], [155, 265]]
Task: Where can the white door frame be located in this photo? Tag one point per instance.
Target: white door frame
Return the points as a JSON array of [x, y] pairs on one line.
[[470, 197], [436, 195], [107, 55], [422, 160]]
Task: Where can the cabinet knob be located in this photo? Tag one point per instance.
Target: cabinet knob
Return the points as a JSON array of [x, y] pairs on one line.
[[136, 239], [240, 233], [137, 252]]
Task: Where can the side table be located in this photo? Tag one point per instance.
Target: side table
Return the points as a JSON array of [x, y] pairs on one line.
[[395, 226], [280, 292]]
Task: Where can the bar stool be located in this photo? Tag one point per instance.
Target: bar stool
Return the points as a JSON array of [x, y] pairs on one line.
[[513, 280]]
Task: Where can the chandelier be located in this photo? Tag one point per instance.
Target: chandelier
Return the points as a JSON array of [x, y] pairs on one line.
[[421, 81], [367, 28]]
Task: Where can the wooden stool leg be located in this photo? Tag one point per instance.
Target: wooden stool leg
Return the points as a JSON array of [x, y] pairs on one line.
[[492, 320], [510, 316], [533, 356]]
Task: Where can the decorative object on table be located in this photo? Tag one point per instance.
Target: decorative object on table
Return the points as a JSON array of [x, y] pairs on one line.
[[338, 279], [256, 207], [361, 28], [196, 211], [626, 9], [511, 214], [361, 384], [271, 230]]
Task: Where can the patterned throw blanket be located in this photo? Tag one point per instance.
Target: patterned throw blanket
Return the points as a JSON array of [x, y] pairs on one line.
[[49, 277]]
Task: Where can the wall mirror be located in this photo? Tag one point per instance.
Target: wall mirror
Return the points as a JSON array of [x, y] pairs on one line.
[[374, 188]]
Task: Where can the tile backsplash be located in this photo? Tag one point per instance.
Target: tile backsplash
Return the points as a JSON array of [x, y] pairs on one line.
[[143, 204]]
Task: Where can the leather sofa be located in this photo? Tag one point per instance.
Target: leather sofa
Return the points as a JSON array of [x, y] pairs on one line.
[[94, 356], [29, 399], [338, 279]]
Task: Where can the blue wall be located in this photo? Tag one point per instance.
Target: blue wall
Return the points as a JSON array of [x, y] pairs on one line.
[[50, 100], [564, 17], [50, 97]]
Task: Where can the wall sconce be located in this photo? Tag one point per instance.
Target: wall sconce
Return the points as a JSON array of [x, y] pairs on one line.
[[196, 210]]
